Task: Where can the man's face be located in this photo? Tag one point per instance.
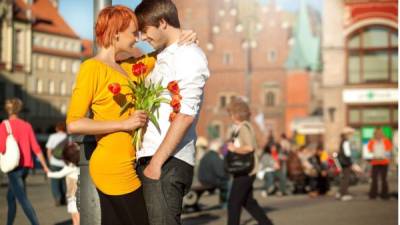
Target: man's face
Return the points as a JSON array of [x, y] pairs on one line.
[[155, 36]]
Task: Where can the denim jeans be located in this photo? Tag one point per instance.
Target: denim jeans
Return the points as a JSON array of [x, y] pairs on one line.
[[58, 187], [17, 191], [164, 197]]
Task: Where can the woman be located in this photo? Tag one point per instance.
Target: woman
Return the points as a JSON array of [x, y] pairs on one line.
[[242, 187], [25, 137], [344, 157], [111, 166]]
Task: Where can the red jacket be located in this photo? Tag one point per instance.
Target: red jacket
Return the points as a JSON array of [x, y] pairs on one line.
[[388, 148]]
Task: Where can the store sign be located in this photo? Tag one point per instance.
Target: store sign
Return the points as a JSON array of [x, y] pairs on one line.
[[370, 95]]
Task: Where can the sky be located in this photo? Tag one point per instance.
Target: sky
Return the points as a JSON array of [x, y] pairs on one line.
[[79, 13]]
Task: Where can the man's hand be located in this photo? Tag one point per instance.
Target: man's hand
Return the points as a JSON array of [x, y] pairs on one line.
[[152, 171]]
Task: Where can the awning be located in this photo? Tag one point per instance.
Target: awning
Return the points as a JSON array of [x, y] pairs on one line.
[[312, 125]]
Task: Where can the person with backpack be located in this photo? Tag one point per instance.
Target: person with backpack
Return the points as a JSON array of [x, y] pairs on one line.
[[381, 149], [55, 145], [23, 134], [345, 161], [70, 171]]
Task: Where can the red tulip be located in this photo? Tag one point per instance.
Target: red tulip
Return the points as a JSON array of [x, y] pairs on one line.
[[173, 87], [175, 103], [139, 69], [114, 88]]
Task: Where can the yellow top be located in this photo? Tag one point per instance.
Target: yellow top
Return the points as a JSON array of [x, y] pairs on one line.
[[112, 165]]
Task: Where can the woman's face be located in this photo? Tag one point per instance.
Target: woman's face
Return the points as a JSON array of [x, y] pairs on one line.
[[127, 38]]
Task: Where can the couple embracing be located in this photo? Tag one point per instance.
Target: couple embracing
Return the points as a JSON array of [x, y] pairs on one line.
[[146, 185]]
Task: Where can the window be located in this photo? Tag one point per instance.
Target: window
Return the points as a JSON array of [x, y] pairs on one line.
[[269, 99], [372, 55], [222, 101], [1, 40], [372, 115], [39, 62], [63, 88], [51, 87], [19, 50], [227, 59], [52, 64], [272, 56], [75, 67], [63, 66], [39, 86]]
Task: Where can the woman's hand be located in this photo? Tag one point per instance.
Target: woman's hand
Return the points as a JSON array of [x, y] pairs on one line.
[[188, 37], [231, 147], [136, 120]]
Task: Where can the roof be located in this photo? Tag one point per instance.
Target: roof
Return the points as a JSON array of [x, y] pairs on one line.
[[87, 48], [45, 18], [305, 53]]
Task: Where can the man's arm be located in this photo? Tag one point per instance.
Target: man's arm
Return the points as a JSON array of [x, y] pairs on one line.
[[174, 136]]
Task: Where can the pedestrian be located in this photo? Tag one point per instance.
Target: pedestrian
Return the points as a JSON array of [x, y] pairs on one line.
[[268, 165], [212, 172], [381, 148], [55, 145], [70, 172], [244, 142], [296, 171], [345, 161], [25, 137]]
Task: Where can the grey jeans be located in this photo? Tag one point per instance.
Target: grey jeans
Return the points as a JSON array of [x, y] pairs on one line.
[[164, 197]]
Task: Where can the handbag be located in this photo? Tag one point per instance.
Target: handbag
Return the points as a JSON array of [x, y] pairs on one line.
[[239, 164], [10, 159]]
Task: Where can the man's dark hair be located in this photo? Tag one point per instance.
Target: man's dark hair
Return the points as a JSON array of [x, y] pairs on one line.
[[151, 12]]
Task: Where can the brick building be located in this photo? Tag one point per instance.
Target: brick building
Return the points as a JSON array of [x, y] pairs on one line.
[[360, 68], [247, 44]]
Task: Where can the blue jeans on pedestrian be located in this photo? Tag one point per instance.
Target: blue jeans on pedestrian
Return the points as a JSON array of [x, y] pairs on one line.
[[58, 187], [269, 180], [17, 191]]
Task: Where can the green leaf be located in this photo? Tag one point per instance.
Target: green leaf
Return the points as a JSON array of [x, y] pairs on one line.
[[153, 119], [125, 107]]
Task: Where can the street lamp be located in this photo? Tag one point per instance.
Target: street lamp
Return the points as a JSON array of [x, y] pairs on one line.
[[88, 198]]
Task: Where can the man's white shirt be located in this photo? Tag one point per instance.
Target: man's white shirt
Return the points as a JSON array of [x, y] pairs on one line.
[[186, 64]]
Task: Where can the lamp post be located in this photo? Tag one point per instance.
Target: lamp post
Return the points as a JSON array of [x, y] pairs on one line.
[[248, 18], [89, 204]]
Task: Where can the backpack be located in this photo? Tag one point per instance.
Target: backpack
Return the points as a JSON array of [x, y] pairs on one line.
[[58, 150], [10, 159]]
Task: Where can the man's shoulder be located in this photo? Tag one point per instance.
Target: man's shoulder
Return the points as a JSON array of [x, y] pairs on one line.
[[191, 51]]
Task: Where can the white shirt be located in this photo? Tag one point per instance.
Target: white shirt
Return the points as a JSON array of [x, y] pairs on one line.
[[52, 142], [71, 171], [186, 64], [346, 148]]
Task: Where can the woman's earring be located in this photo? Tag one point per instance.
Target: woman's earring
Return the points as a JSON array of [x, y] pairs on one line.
[[117, 38]]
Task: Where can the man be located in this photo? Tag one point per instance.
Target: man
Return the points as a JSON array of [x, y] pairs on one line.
[[166, 159], [212, 172], [381, 148], [55, 145]]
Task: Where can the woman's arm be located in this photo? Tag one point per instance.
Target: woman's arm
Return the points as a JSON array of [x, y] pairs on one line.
[[36, 148], [88, 126]]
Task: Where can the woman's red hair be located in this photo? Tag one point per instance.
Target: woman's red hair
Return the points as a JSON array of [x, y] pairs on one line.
[[110, 21]]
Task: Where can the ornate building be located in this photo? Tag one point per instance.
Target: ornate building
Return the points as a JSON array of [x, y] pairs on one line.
[[39, 59], [360, 68]]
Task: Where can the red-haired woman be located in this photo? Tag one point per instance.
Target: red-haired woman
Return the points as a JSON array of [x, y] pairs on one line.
[[111, 165]]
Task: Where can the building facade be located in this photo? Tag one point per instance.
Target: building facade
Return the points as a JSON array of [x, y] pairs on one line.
[[247, 44], [360, 69], [40, 56]]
